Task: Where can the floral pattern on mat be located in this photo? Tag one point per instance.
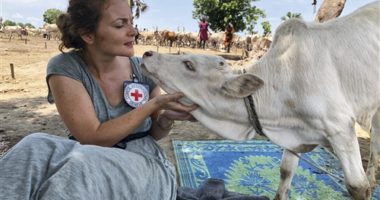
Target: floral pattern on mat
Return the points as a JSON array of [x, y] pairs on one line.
[[253, 167]]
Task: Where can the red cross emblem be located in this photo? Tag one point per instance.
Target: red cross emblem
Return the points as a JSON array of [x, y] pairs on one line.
[[136, 94]]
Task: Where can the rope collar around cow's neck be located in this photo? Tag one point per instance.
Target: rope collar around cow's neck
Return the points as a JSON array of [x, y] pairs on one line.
[[252, 115], [254, 120]]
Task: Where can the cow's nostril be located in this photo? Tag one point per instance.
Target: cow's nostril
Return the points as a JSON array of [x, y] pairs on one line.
[[148, 54]]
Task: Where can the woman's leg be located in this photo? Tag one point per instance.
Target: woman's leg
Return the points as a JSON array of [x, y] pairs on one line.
[[43, 166], [25, 166]]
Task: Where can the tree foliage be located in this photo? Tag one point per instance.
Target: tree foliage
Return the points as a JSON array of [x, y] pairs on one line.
[[29, 25], [12, 23], [9, 23], [20, 24], [139, 6], [291, 15], [50, 15], [241, 13], [266, 27]]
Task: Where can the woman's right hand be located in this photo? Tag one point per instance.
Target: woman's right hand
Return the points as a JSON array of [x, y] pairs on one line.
[[170, 102], [167, 109]]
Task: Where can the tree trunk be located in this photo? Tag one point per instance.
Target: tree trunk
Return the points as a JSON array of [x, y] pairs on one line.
[[330, 9]]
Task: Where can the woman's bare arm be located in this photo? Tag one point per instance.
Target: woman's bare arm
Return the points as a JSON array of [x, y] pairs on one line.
[[77, 111]]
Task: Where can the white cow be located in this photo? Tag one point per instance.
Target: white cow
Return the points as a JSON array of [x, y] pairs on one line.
[[10, 31], [216, 40], [147, 37], [52, 31], [311, 86]]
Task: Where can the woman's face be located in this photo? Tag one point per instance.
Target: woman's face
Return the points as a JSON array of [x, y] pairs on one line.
[[115, 33]]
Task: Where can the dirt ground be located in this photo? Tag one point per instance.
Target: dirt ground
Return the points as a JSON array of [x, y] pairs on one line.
[[25, 110]]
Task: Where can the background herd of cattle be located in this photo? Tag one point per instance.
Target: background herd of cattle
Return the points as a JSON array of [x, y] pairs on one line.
[[48, 31], [191, 39], [156, 38]]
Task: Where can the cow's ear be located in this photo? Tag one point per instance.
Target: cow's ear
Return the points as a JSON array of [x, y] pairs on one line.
[[242, 85]]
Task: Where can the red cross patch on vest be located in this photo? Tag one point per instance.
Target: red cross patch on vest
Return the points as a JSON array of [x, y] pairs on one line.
[[135, 94]]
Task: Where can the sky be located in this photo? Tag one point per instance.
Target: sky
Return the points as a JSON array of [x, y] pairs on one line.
[[168, 14]]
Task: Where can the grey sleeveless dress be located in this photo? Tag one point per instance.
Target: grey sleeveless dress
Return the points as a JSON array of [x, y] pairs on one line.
[[44, 166]]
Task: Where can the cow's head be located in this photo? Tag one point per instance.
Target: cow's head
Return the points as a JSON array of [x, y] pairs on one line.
[[207, 81], [198, 75]]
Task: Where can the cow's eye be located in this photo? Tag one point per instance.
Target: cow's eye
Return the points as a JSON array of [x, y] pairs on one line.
[[221, 63], [189, 65]]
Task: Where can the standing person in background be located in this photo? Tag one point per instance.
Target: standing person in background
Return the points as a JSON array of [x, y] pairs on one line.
[[229, 33], [203, 32], [137, 34], [113, 113]]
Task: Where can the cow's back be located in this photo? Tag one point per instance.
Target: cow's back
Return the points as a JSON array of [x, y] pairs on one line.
[[356, 52], [339, 58]]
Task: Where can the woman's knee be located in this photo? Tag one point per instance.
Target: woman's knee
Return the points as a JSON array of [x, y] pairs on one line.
[[41, 143], [33, 139]]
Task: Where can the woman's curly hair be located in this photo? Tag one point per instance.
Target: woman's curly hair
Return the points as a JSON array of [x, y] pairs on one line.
[[82, 17]]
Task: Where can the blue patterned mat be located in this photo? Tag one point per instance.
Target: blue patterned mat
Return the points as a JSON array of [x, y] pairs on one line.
[[253, 167]]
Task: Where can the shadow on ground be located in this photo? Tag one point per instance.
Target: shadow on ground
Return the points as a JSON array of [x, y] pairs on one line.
[[23, 116]]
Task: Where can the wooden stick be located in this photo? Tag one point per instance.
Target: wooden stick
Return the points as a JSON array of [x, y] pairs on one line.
[[12, 71]]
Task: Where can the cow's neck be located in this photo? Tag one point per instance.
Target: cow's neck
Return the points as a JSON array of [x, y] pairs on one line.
[[268, 97], [227, 118], [275, 107]]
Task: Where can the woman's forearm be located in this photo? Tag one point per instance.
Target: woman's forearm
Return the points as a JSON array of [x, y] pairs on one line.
[[111, 132], [161, 127]]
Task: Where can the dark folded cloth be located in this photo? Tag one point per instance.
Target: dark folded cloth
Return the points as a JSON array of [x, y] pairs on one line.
[[213, 189]]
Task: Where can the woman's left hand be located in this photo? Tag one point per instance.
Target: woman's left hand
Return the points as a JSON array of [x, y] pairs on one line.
[[176, 115]]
